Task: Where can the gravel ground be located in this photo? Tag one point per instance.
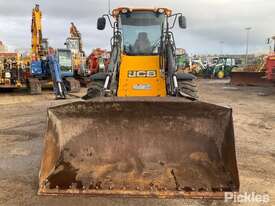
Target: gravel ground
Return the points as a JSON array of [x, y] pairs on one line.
[[23, 122]]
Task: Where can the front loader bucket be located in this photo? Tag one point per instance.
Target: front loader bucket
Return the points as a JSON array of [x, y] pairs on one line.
[[146, 147], [249, 79]]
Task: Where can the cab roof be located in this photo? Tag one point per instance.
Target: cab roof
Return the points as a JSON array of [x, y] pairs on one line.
[[117, 11]]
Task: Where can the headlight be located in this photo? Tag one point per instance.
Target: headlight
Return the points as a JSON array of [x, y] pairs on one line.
[[115, 13], [161, 11], [124, 11]]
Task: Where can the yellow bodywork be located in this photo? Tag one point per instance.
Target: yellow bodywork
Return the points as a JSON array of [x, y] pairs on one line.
[[141, 76]]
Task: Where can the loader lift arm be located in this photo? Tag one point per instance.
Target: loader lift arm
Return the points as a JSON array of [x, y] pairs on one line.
[[105, 84]]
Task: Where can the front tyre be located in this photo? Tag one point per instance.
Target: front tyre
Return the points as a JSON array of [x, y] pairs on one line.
[[220, 74], [188, 89], [95, 89]]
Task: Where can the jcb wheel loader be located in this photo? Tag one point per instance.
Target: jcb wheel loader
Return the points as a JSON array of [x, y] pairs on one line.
[[142, 132]]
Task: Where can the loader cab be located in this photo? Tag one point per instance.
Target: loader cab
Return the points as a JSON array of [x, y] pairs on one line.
[[140, 38], [141, 32], [227, 61]]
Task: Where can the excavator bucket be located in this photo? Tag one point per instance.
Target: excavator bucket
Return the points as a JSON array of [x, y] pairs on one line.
[[141, 147]]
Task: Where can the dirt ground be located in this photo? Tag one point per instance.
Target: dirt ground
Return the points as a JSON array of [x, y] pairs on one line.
[[23, 122]]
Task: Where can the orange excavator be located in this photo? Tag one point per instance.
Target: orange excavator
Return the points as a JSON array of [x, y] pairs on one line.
[[75, 45]]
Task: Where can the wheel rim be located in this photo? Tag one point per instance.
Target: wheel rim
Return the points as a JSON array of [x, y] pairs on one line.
[[220, 74]]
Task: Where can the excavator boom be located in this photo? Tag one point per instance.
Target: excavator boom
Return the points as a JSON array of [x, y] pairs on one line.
[[36, 30]]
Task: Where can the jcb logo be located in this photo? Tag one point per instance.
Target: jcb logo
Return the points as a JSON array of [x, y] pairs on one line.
[[140, 73]]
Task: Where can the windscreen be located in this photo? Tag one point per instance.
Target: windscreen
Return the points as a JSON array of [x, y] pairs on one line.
[[141, 32]]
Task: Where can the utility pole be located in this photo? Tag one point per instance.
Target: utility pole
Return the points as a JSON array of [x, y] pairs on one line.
[[247, 42], [109, 7]]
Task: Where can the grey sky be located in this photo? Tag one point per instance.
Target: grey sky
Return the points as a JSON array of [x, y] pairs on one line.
[[209, 22]]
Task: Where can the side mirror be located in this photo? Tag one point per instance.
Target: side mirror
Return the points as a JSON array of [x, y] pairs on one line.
[[101, 23], [182, 22]]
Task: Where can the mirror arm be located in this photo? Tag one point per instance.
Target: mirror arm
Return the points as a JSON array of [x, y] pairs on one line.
[[109, 19], [175, 18]]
